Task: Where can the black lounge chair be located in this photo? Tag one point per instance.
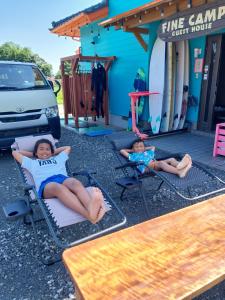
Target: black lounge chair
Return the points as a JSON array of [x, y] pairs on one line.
[[198, 178], [66, 227]]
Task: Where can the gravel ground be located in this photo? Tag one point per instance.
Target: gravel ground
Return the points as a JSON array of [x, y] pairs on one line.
[[22, 276]]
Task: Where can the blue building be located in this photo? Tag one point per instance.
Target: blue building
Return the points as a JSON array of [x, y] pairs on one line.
[[128, 30]]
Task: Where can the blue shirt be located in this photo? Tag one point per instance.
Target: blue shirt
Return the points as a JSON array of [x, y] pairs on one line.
[[146, 157]]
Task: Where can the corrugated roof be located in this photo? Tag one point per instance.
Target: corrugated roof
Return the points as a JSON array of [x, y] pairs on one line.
[[88, 10]]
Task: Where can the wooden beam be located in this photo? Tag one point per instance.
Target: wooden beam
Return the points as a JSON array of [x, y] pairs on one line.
[[81, 20], [141, 40], [99, 14], [156, 14], [132, 12], [150, 13], [137, 30], [152, 16], [96, 58], [75, 64], [67, 58], [80, 57]]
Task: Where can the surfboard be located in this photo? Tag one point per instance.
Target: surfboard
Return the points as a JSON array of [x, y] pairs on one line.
[[179, 83], [156, 84], [168, 89], [186, 87], [173, 86], [140, 86]]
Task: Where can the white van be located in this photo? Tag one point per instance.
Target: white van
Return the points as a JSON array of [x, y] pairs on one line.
[[27, 103]]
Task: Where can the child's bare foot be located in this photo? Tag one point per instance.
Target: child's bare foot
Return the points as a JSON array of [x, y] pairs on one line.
[[190, 160], [102, 209], [94, 205], [185, 170], [101, 196], [101, 214], [184, 162]]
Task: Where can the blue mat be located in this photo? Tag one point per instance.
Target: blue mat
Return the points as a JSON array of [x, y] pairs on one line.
[[99, 132]]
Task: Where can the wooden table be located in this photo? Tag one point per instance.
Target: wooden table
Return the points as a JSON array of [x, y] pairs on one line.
[[175, 256]]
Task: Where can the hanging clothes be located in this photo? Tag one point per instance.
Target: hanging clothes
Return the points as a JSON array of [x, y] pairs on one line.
[[98, 85], [81, 89]]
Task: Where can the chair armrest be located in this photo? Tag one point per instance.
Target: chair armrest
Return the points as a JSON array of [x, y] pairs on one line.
[[175, 155], [83, 173], [129, 165], [28, 187], [14, 146], [25, 187]]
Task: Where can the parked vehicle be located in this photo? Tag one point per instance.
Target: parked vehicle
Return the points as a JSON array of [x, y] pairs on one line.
[[27, 103]]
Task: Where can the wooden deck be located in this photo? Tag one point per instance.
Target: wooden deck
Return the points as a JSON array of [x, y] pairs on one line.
[[199, 146]]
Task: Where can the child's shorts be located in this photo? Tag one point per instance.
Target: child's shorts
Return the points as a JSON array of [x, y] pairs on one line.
[[151, 165], [56, 178]]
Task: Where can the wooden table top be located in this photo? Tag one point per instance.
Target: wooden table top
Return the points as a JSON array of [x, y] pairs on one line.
[[175, 256]]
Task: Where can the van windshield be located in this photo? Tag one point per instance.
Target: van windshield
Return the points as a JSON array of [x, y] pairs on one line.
[[21, 77]]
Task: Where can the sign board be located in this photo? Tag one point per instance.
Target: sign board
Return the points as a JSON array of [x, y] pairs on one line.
[[194, 22]]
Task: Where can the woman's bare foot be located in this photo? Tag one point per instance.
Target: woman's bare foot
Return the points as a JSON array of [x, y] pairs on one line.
[[184, 162], [185, 170]]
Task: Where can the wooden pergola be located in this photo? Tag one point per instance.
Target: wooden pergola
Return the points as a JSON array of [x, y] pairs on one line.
[[131, 20], [73, 91]]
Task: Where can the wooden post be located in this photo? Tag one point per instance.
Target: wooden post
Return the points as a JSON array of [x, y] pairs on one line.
[[64, 93]]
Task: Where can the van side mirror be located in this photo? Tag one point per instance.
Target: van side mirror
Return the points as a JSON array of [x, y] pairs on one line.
[[57, 85], [58, 88]]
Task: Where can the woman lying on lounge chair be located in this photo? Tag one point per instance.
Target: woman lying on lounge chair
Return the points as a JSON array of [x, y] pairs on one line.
[[51, 179], [140, 153]]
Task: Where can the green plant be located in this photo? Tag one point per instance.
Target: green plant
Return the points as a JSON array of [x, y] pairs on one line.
[[60, 97], [12, 51]]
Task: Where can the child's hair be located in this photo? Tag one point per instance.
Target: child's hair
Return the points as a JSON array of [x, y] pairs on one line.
[[137, 141], [42, 141]]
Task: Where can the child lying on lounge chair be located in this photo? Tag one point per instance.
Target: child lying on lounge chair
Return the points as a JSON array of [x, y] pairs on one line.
[[140, 153], [51, 179]]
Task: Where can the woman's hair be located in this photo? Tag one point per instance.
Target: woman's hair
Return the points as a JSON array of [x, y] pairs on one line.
[[42, 141], [137, 141]]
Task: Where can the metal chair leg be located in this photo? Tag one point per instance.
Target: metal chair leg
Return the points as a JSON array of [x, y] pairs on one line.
[[159, 187], [122, 193], [145, 201], [49, 261], [29, 222]]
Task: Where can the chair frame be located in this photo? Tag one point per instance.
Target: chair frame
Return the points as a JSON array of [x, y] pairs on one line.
[[138, 177], [32, 198], [158, 174], [50, 223]]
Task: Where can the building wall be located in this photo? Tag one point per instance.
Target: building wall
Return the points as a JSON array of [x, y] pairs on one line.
[[195, 79], [130, 56]]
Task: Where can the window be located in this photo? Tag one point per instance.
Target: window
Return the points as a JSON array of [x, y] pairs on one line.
[[21, 77]]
